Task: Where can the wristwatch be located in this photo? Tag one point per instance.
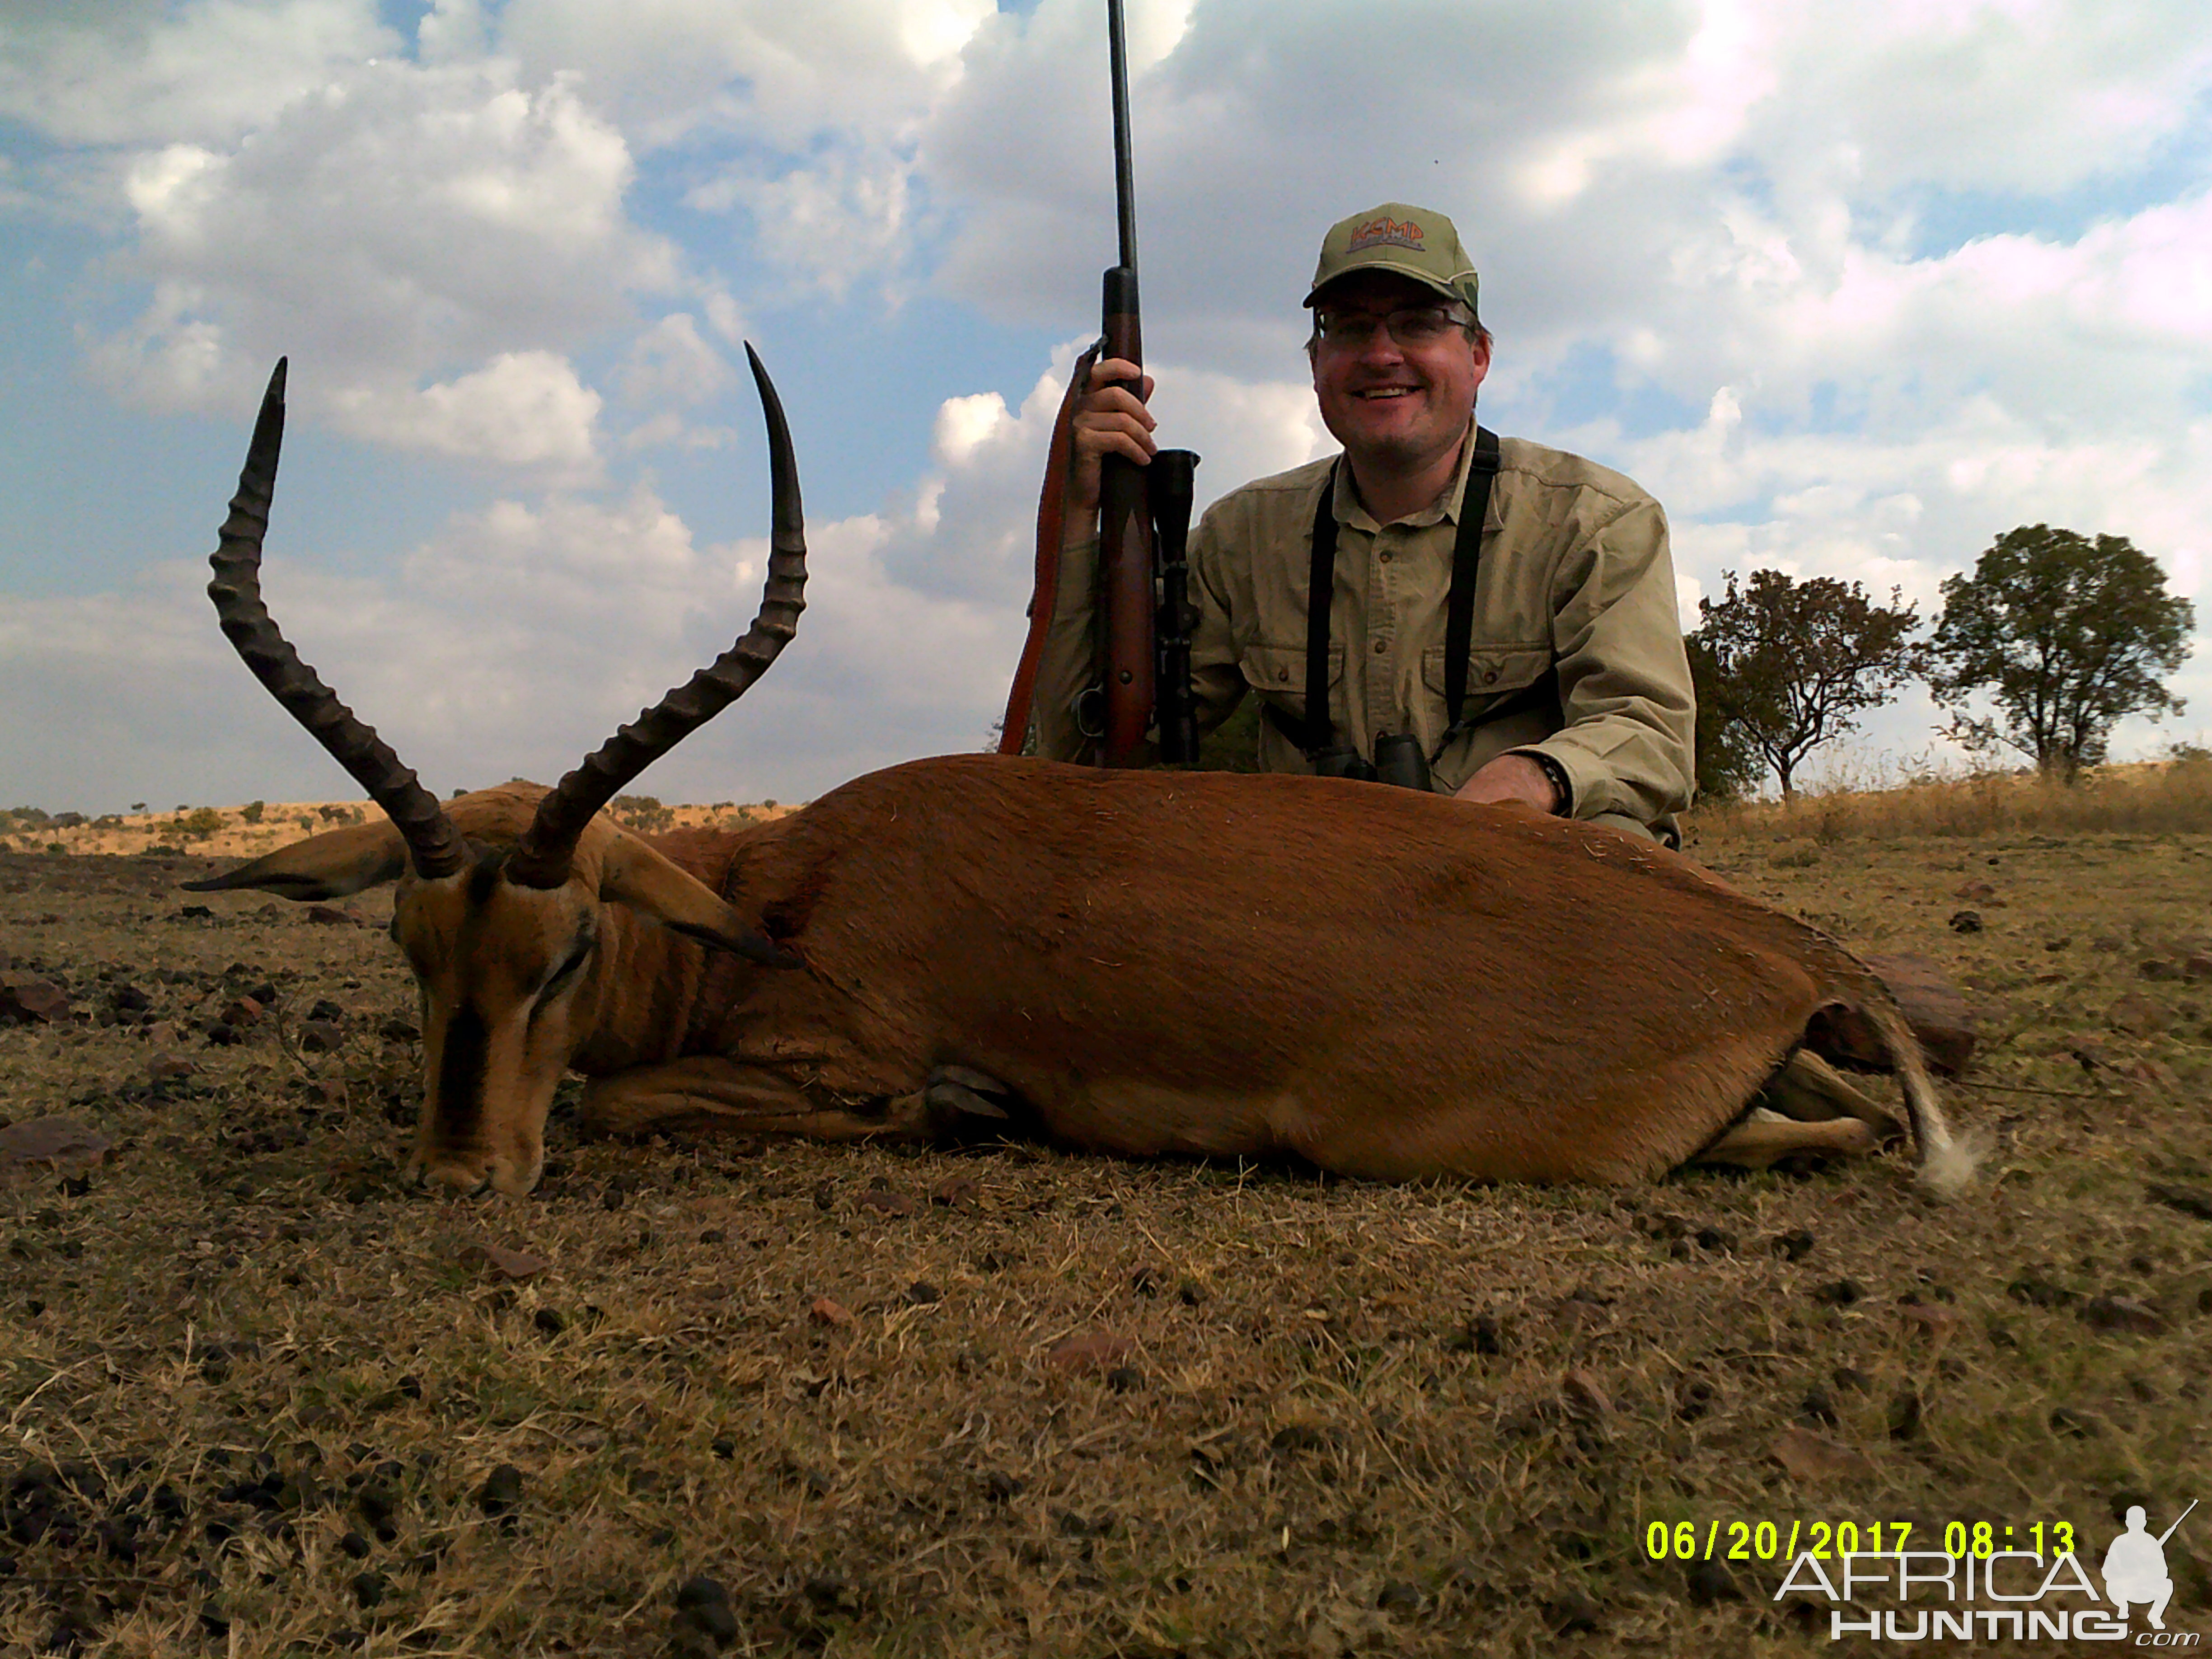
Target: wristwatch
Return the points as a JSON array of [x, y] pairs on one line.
[[1557, 775]]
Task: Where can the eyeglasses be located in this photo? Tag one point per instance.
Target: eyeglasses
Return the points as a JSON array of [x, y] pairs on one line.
[[1413, 326]]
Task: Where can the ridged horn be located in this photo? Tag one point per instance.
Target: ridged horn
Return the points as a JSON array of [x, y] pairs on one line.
[[436, 847], [542, 857]]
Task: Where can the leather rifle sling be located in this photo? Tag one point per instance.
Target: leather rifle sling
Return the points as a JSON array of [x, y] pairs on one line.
[[1051, 524]]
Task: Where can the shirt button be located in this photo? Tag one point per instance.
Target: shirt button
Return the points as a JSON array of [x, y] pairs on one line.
[[1282, 674], [1383, 557], [1381, 646], [1490, 677]]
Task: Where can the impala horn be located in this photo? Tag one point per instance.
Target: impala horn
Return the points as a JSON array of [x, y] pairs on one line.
[[540, 860], [435, 846]]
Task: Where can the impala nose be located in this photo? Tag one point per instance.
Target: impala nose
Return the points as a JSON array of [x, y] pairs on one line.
[[458, 1179]]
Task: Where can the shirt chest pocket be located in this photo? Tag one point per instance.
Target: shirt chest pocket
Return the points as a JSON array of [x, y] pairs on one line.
[[1277, 673], [1500, 678]]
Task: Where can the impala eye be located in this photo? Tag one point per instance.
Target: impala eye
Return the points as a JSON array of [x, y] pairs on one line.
[[570, 967]]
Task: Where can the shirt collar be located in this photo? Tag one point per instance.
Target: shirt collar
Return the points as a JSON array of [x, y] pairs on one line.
[[1347, 509]]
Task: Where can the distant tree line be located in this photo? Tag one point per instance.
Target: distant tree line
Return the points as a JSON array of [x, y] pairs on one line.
[[2043, 649]]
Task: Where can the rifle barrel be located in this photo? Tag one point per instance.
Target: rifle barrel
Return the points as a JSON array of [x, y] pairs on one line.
[[2176, 1526], [1124, 169]]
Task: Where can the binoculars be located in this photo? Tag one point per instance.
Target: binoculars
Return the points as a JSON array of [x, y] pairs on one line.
[[1398, 760]]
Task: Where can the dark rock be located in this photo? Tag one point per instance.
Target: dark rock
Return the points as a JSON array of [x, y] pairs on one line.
[[1792, 1246], [2122, 1314], [501, 1492], [325, 1009], [355, 1545], [2189, 1200], [380, 1508], [1481, 1334], [2138, 1016], [1709, 1581], [1819, 1407], [2040, 1292], [1840, 1294], [1904, 1412], [922, 1293], [1966, 921], [25, 1000], [1936, 1010], [368, 1589], [700, 1591], [1572, 1612], [319, 1036], [831, 1592]]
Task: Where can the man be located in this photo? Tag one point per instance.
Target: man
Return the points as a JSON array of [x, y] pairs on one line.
[[2135, 1568], [1573, 689]]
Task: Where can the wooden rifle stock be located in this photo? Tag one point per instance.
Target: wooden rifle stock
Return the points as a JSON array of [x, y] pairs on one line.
[[1125, 560]]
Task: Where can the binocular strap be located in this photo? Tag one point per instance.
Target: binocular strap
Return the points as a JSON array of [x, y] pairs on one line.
[[1459, 605]]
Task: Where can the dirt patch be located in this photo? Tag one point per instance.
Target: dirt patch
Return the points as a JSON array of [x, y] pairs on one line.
[[256, 1398]]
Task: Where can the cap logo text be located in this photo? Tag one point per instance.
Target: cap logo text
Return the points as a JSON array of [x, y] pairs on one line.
[[1387, 233]]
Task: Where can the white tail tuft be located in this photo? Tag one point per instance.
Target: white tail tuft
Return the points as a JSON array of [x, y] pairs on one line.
[[1947, 1169], [1949, 1162]]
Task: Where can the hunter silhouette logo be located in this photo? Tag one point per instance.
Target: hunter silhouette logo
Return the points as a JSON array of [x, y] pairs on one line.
[[1995, 1596], [1388, 233], [2134, 1567]]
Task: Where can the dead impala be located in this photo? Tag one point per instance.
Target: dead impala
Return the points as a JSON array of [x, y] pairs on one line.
[[1385, 983]]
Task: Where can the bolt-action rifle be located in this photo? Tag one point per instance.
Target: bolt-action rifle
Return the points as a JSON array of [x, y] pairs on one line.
[[1142, 603]]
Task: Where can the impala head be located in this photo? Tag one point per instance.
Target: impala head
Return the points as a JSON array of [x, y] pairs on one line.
[[502, 907]]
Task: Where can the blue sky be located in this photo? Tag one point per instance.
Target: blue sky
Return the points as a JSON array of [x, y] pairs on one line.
[[1853, 289]]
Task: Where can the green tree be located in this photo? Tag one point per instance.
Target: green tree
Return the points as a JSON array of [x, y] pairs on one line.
[[2065, 635], [1728, 767], [1790, 665]]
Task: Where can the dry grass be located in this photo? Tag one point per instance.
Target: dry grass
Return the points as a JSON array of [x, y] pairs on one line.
[[234, 832], [2159, 798], [251, 1383]]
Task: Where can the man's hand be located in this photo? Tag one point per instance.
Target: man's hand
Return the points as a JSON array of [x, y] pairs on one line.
[[1513, 780], [1110, 420]]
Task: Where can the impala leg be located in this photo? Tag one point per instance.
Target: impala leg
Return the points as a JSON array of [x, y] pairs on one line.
[[1810, 1090], [1765, 1136], [711, 1091]]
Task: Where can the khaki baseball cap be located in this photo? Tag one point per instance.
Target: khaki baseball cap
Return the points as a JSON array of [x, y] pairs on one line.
[[1406, 240]]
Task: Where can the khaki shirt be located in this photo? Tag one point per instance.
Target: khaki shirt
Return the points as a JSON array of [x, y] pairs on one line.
[[1576, 591]]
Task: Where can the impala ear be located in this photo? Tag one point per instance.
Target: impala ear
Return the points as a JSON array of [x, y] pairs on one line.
[[632, 873], [336, 864]]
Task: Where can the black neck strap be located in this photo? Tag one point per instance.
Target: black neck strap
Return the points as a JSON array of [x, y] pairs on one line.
[[1459, 607]]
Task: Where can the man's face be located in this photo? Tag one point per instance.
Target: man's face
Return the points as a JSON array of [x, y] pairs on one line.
[[1391, 404]]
